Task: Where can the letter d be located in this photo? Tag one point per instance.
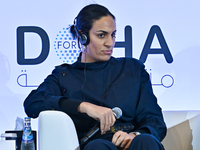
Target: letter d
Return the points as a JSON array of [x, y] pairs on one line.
[[21, 60]]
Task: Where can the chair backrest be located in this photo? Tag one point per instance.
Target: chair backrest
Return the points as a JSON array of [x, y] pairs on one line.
[[56, 131]]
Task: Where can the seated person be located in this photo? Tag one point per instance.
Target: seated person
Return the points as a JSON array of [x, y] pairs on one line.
[[88, 89]]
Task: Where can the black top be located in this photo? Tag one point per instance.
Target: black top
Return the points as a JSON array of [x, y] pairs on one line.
[[118, 82]]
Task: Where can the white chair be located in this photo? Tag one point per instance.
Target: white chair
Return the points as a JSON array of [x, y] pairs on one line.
[[56, 131]]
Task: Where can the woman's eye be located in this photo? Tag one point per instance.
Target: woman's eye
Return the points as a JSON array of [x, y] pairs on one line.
[[101, 35], [114, 35]]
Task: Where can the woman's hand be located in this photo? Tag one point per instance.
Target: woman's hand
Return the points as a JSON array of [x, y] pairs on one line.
[[122, 140], [102, 114]]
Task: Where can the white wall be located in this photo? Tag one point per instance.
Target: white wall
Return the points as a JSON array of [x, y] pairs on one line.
[[175, 84]]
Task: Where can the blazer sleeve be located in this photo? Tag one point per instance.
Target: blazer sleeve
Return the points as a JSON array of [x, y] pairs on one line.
[[47, 97], [149, 114]]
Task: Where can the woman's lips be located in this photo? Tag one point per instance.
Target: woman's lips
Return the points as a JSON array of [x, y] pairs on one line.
[[107, 52]]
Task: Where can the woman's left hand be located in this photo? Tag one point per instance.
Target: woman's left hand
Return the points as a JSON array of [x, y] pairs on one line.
[[122, 139]]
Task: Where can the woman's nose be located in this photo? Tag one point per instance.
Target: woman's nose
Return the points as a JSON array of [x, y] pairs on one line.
[[110, 41]]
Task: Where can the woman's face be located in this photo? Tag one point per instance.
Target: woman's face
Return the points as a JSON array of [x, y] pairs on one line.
[[102, 40]]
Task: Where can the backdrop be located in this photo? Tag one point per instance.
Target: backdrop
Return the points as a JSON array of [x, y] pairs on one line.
[[34, 37]]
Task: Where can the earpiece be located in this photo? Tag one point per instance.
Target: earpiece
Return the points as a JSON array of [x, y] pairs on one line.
[[84, 39]]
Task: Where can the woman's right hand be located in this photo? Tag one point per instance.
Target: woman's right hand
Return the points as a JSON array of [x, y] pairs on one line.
[[103, 114]]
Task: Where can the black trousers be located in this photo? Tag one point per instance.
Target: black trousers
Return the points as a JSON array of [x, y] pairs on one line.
[[140, 142]]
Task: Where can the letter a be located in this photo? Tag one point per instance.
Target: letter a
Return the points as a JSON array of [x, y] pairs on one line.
[[147, 46]]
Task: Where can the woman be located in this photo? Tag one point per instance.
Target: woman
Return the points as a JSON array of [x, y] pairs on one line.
[[88, 89]]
